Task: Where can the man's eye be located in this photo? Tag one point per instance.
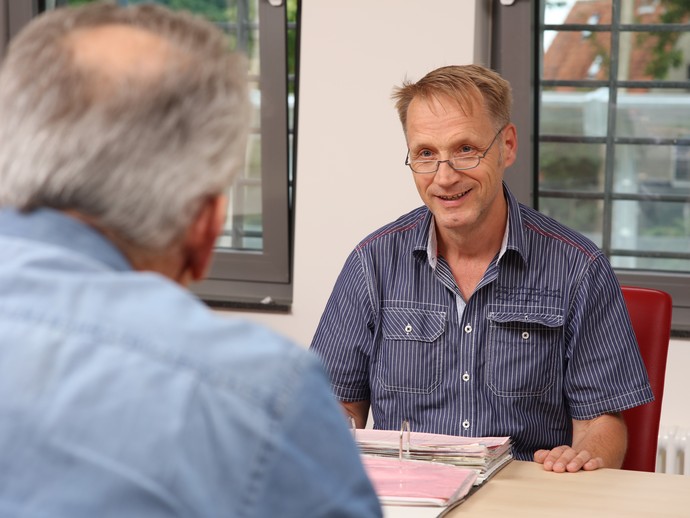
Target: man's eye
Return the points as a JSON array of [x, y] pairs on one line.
[[467, 150], [425, 155]]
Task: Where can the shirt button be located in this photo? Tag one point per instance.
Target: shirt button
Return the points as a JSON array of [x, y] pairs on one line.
[[525, 335], [466, 377], [465, 424], [408, 329], [468, 328]]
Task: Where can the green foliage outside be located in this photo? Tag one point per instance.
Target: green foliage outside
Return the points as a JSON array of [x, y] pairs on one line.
[[292, 49], [226, 11], [214, 10], [665, 54]]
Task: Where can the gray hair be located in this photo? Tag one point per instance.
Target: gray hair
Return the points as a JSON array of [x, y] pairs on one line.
[[136, 153]]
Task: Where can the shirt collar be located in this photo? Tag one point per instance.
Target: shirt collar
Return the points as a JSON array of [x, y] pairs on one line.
[[512, 237], [53, 227], [432, 245]]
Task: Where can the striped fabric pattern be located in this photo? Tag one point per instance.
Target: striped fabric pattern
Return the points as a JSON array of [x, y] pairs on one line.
[[544, 338]]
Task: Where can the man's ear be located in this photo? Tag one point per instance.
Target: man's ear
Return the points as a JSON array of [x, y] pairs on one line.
[[510, 145], [201, 235]]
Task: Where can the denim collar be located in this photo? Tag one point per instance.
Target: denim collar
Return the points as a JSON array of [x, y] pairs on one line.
[[55, 228]]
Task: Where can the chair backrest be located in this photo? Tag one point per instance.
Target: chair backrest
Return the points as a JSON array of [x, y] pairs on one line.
[[650, 313]]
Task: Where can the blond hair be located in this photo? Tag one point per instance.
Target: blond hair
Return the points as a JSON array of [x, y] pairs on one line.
[[464, 84]]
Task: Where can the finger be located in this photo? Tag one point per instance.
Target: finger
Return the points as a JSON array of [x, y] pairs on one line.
[[540, 456], [558, 458], [593, 464], [580, 461]]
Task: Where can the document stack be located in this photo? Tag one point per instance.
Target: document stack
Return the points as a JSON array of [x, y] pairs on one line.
[[483, 455]]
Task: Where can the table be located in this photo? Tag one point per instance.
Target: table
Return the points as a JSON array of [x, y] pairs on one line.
[[524, 489]]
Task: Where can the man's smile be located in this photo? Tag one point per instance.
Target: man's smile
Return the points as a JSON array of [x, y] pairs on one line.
[[454, 196]]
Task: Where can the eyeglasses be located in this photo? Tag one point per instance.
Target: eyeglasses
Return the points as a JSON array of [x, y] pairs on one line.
[[459, 163]]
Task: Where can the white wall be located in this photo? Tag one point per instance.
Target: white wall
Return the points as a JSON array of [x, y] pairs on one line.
[[353, 52]]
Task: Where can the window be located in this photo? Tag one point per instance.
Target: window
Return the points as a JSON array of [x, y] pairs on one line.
[[606, 113], [252, 266]]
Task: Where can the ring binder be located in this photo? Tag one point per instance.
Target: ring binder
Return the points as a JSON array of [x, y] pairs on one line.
[[485, 455], [405, 425], [430, 469]]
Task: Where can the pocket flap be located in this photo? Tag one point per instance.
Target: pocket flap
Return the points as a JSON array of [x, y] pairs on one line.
[[419, 325], [549, 317]]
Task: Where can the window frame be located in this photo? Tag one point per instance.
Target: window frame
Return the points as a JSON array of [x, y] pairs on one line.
[[512, 48], [263, 279], [4, 27], [14, 14]]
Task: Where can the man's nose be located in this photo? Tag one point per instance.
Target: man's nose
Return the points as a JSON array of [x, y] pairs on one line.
[[445, 172]]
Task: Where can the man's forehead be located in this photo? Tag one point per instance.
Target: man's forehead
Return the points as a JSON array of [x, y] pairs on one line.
[[119, 50], [469, 103]]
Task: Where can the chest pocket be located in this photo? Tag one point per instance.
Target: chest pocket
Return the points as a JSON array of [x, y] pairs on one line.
[[523, 350], [411, 349]]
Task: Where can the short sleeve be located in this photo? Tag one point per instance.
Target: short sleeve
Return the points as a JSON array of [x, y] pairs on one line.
[[343, 339], [604, 368]]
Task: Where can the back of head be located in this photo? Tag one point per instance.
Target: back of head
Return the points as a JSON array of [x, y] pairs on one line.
[[129, 116], [464, 84]]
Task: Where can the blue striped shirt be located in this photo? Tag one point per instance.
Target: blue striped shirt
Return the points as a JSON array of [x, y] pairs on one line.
[[545, 337]]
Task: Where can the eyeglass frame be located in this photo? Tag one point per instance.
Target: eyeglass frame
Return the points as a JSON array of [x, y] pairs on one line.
[[439, 162]]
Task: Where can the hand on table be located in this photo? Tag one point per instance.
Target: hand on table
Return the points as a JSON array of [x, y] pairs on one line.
[[565, 459]]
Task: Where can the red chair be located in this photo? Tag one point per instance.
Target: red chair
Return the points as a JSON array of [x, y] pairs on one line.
[[650, 313]]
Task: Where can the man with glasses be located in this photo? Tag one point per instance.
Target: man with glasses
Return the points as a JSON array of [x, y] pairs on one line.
[[475, 315]]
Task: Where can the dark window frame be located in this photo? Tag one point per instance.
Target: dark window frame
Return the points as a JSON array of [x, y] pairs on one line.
[[263, 280]]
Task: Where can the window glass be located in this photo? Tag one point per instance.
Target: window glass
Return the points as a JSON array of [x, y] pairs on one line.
[[651, 226], [579, 112], [653, 113], [583, 215], [577, 167]]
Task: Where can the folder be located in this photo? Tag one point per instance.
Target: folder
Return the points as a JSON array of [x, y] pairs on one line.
[[484, 455]]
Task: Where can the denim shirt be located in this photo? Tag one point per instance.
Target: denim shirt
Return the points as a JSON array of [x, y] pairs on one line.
[[545, 337], [123, 395]]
